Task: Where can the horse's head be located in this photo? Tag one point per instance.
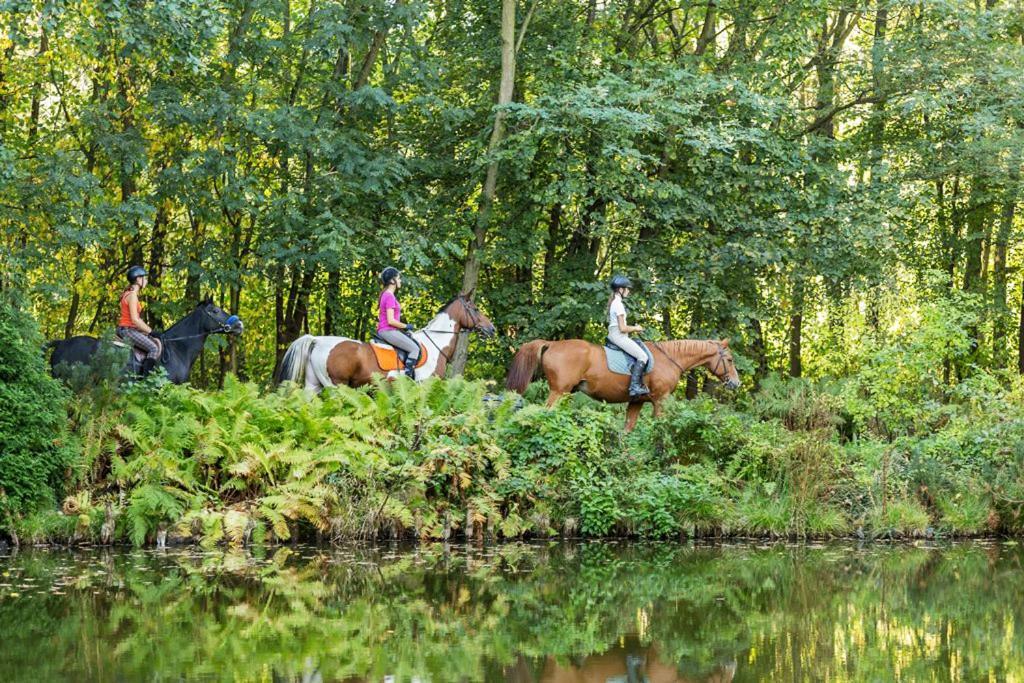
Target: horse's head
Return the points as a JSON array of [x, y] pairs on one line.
[[463, 311], [722, 365], [213, 319]]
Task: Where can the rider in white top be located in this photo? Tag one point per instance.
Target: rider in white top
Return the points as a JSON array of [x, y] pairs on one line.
[[618, 331]]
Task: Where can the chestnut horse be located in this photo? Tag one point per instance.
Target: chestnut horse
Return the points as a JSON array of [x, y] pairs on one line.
[[578, 365], [318, 362]]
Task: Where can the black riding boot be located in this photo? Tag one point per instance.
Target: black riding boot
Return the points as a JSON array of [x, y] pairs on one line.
[[147, 366], [410, 367], [636, 379]]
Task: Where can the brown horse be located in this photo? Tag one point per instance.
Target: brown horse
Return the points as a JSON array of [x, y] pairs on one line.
[[318, 362], [578, 365]]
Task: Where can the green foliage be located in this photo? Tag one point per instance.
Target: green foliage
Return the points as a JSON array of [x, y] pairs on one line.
[[35, 446], [901, 517]]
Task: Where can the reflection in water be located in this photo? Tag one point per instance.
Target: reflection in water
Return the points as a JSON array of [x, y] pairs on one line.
[[522, 613]]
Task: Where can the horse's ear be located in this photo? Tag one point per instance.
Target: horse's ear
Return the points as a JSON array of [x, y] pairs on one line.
[[725, 342]]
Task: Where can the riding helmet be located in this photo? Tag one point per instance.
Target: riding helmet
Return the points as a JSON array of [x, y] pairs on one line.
[[134, 272], [388, 274], [620, 281]]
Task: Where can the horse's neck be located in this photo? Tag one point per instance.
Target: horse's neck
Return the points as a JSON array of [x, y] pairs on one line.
[[184, 345], [185, 326], [689, 353], [442, 331]]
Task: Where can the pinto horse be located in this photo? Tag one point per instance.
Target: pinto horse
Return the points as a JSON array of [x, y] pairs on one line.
[[578, 365], [319, 362], [181, 343]]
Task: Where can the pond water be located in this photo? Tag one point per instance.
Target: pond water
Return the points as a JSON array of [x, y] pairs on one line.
[[618, 612]]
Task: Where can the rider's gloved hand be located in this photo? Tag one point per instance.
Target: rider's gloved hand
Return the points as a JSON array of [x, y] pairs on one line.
[[156, 334], [409, 327]]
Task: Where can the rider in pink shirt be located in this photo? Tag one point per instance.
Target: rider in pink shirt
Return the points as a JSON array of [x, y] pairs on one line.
[[390, 326]]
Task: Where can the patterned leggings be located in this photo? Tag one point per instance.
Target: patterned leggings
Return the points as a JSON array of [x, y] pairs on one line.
[[140, 340]]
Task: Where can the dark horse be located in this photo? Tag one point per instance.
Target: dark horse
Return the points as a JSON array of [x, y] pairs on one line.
[[182, 342]]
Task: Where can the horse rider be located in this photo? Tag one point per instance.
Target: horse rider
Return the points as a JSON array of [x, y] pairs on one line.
[[131, 327], [390, 326], [619, 331]]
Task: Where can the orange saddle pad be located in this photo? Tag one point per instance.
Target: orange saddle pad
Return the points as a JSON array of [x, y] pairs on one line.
[[387, 359]]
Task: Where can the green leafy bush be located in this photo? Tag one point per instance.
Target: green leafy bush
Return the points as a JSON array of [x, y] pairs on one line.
[[36, 448]]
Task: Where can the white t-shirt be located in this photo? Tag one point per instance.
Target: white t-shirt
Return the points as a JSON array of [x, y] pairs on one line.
[[616, 309]]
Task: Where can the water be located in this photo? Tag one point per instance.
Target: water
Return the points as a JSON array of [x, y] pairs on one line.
[[581, 612]]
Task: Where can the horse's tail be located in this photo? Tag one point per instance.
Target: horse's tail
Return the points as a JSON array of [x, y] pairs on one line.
[[293, 365], [525, 364], [49, 345]]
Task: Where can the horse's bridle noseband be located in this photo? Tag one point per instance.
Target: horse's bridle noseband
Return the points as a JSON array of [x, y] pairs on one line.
[[720, 361]]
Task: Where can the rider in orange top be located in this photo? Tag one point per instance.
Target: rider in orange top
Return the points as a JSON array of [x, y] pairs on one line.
[[131, 327]]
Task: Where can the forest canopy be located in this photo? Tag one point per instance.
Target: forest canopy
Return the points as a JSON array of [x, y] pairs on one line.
[[816, 180]]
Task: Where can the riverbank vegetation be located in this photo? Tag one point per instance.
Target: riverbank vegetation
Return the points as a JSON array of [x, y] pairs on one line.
[[883, 453]]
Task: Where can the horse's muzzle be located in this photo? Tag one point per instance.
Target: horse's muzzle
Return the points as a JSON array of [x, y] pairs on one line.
[[488, 331], [732, 384], [233, 325]]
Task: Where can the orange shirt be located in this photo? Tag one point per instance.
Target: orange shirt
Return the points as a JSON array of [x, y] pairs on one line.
[[126, 316]]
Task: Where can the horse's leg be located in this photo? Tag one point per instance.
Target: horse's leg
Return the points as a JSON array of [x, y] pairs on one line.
[[657, 408], [554, 396], [632, 413]]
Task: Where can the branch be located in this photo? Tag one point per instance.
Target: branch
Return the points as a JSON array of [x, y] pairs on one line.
[[526, 23], [865, 98]]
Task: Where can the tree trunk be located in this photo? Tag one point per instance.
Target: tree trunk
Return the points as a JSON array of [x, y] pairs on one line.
[[37, 90], [759, 350], [1000, 311], [554, 237], [877, 123], [332, 304], [796, 320], [471, 274], [707, 32], [1020, 334]]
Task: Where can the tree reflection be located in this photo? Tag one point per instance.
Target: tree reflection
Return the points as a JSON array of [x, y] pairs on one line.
[[591, 612]]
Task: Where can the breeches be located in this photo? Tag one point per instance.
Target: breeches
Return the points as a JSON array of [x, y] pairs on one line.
[[400, 340], [628, 345]]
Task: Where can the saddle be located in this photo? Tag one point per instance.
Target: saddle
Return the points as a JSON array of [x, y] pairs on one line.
[[389, 358], [619, 361], [137, 355]]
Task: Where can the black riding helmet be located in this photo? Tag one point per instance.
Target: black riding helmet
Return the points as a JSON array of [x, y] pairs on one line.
[[134, 272], [388, 274], [619, 282]]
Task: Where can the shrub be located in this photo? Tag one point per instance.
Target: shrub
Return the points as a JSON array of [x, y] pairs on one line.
[[36, 448], [903, 516]]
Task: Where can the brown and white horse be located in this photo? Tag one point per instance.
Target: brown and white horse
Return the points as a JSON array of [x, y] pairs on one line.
[[578, 365], [318, 362]]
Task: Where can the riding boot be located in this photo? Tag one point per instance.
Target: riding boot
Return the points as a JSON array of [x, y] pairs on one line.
[[410, 367], [147, 366], [636, 379]]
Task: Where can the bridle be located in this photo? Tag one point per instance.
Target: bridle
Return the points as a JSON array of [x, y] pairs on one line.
[[720, 362], [474, 318]]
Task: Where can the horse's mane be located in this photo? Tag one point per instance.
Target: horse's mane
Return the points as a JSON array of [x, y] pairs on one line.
[[447, 304], [188, 316], [686, 347]]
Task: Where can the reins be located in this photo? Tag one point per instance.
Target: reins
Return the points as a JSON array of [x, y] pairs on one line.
[[470, 308]]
